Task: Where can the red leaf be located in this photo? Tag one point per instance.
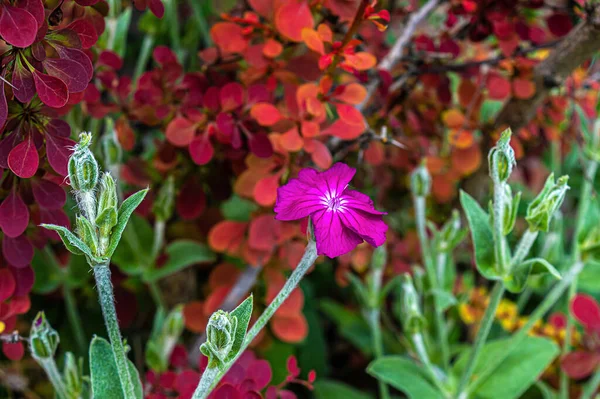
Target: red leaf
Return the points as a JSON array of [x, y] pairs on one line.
[[580, 364], [523, 88], [24, 160], [52, 91], [48, 195], [17, 26], [349, 114], [22, 80], [293, 16], [232, 96], [14, 215], [227, 235], [86, 32], [559, 24], [13, 351], [344, 130], [6, 146], [3, 106], [58, 151], [260, 145], [157, 8], [498, 87], [229, 37], [57, 217], [191, 200], [265, 114], [25, 278], [17, 251], [586, 311], [70, 72], [35, 8], [265, 190], [58, 128], [7, 284], [78, 56], [180, 131], [201, 150], [264, 232]]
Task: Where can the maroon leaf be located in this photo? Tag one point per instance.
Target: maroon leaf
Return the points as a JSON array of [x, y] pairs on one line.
[[24, 160], [35, 8], [587, 311], [6, 146], [64, 37], [85, 30], [260, 145], [52, 91], [14, 215], [86, 3], [24, 278], [58, 151], [157, 8], [59, 128], [580, 364], [7, 284], [17, 26], [110, 59], [17, 251], [201, 150], [78, 56], [72, 73], [3, 106], [57, 217], [22, 80], [48, 194], [191, 200]]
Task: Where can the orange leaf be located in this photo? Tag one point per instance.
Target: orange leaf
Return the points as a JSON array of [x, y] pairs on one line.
[[292, 305], [443, 188], [461, 138], [194, 318], [375, 153], [216, 298], [354, 93], [293, 16], [361, 61], [272, 48], [291, 329], [349, 114], [223, 274], [265, 114], [264, 232], [466, 91], [310, 129], [466, 161], [180, 131], [325, 33], [227, 235], [523, 88], [229, 37], [319, 153], [453, 118], [265, 191], [125, 134], [312, 40], [498, 87], [344, 130], [291, 140]]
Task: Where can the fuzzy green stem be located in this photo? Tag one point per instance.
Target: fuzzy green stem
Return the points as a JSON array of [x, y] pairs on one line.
[[591, 387], [543, 308], [87, 204], [584, 198], [499, 239], [49, 366], [440, 325], [210, 379], [159, 237], [482, 334], [523, 247], [156, 294], [419, 344], [373, 314], [74, 319], [107, 302]]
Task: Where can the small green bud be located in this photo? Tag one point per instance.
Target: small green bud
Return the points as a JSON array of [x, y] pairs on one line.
[[420, 181], [450, 235], [107, 197], [164, 204], [543, 207], [73, 376], [87, 233], [410, 311], [83, 167], [174, 322], [220, 335], [43, 339], [501, 158]]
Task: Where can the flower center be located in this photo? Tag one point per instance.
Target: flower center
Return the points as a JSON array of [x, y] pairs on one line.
[[334, 202]]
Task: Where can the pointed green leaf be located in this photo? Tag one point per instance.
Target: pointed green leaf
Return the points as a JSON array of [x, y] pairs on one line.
[[72, 242], [326, 389], [444, 299], [404, 375], [516, 281], [481, 234], [359, 288], [243, 313], [103, 372], [181, 254], [125, 211]]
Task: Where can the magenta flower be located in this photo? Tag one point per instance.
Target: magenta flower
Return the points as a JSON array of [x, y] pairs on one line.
[[341, 218]]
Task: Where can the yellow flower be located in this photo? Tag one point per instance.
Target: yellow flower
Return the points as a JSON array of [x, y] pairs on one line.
[[2, 327]]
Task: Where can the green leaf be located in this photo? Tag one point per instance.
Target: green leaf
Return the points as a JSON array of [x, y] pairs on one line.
[[589, 278], [326, 389], [48, 276], [131, 255], [405, 375], [181, 254], [517, 372], [534, 267], [78, 272], [350, 325], [72, 242], [243, 313], [489, 109], [238, 209], [481, 234], [444, 299], [103, 372], [359, 289], [125, 211]]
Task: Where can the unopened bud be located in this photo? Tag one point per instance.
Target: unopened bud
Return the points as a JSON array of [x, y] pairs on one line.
[[87, 233], [543, 207], [450, 234], [412, 318], [107, 211], [43, 339], [420, 181], [164, 204], [220, 336], [73, 376], [83, 167], [501, 158]]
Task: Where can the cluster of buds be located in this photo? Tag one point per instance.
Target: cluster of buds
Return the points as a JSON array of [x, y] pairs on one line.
[[543, 207], [220, 336]]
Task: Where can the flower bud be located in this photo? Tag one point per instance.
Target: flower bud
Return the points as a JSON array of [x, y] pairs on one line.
[[410, 311], [501, 158], [83, 167], [43, 339], [87, 233], [107, 211], [543, 207], [111, 149], [163, 206], [108, 193], [73, 376], [420, 181], [220, 336], [451, 234]]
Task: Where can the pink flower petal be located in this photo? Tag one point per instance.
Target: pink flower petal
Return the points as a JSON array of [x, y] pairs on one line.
[[359, 201], [333, 239], [337, 177], [586, 311], [370, 228], [299, 198]]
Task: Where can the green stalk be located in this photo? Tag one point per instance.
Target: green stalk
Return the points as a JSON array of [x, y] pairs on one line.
[[210, 378], [591, 387], [74, 319], [173, 27], [584, 198], [440, 324], [418, 342], [143, 57], [373, 316], [482, 334], [107, 302], [498, 230], [523, 247], [543, 308], [156, 294], [49, 366]]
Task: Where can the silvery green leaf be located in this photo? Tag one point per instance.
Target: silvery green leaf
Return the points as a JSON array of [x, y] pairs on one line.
[[72, 242], [243, 313], [125, 211]]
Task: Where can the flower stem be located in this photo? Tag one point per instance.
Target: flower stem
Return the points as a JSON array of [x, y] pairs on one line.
[[210, 378], [156, 294], [107, 302], [440, 325], [547, 304], [482, 334], [523, 247], [159, 237], [49, 366], [144, 56], [418, 342], [498, 230], [591, 387], [373, 314], [74, 318]]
